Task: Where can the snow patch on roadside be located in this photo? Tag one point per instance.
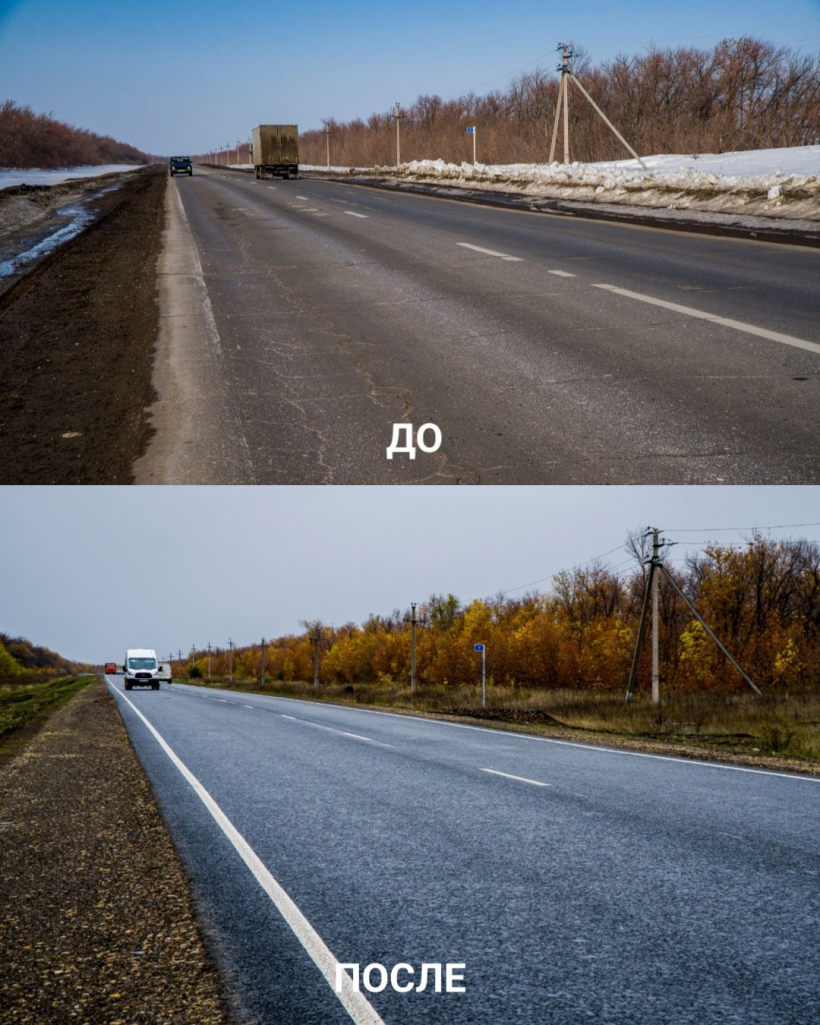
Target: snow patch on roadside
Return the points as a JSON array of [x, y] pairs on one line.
[[773, 182], [10, 176]]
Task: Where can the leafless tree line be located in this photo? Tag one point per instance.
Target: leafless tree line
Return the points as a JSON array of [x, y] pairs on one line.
[[743, 94], [38, 140]]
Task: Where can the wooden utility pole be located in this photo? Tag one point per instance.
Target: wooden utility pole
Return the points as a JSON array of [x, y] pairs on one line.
[[413, 622], [316, 637], [656, 681], [262, 673], [230, 659], [327, 139]]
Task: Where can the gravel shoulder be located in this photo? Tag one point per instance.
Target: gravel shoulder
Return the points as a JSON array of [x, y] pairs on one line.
[[97, 924], [77, 335]]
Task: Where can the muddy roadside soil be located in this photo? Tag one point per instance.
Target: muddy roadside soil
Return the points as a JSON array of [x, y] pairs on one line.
[[77, 337], [96, 920]]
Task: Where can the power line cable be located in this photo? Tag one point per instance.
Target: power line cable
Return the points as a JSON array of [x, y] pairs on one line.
[[677, 530], [715, 530], [532, 583]]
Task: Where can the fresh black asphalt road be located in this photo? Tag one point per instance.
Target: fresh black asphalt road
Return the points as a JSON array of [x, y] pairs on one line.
[[342, 310], [623, 889]]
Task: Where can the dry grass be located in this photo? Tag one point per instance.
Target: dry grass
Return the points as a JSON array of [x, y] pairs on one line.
[[786, 725]]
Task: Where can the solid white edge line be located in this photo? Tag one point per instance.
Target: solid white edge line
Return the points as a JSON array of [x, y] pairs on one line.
[[521, 779], [490, 252], [595, 748], [738, 325], [350, 213], [354, 1002], [562, 273]]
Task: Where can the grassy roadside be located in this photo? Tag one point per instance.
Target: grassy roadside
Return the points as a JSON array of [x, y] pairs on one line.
[[25, 706], [779, 731], [97, 921]]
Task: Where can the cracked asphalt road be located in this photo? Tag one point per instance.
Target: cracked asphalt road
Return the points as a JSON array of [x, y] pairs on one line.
[[336, 311]]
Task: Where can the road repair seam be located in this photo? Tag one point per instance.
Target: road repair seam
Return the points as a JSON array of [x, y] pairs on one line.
[[738, 325], [354, 1002]]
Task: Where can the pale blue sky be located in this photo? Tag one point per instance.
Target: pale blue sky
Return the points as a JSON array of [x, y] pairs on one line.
[[169, 77], [90, 571]]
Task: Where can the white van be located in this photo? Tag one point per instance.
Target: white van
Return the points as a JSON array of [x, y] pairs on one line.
[[141, 668], [165, 672]]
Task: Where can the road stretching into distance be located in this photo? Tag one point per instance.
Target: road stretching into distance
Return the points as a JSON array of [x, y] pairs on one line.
[[547, 349], [576, 883]]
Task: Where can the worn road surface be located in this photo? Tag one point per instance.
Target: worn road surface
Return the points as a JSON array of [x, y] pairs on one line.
[[576, 883], [310, 316]]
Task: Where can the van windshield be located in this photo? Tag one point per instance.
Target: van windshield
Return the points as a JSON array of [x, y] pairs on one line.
[[142, 663]]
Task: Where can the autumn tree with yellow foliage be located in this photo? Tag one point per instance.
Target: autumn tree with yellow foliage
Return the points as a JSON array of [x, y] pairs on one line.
[[762, 598]]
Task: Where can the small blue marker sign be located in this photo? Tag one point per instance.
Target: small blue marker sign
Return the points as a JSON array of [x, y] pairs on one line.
[[478, 647], [470, 131]]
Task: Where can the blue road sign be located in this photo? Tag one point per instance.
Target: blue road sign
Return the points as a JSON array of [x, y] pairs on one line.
[[470, 131], [478, 647]]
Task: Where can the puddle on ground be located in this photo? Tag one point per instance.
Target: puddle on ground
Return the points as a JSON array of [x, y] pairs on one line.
[[78, 217]]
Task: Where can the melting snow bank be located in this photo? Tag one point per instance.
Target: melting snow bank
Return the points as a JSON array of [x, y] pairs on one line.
[[775, 183], [11, 176], [78, 219], [61, 224]]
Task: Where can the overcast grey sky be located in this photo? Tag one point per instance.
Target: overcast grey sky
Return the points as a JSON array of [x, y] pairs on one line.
[[90, 571]]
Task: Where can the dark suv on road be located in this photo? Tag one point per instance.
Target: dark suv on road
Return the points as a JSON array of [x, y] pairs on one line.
[[181, 165]]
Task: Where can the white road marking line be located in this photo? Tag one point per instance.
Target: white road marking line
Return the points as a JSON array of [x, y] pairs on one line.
[[354, 1002], [332, 729], [561, 273], [490, 252], [306, 198], [351, 214], [271, 186], [249, 706], [733, 835], [357, 736], [224, 701], [592, 748], [521, 779], [738, 325]]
